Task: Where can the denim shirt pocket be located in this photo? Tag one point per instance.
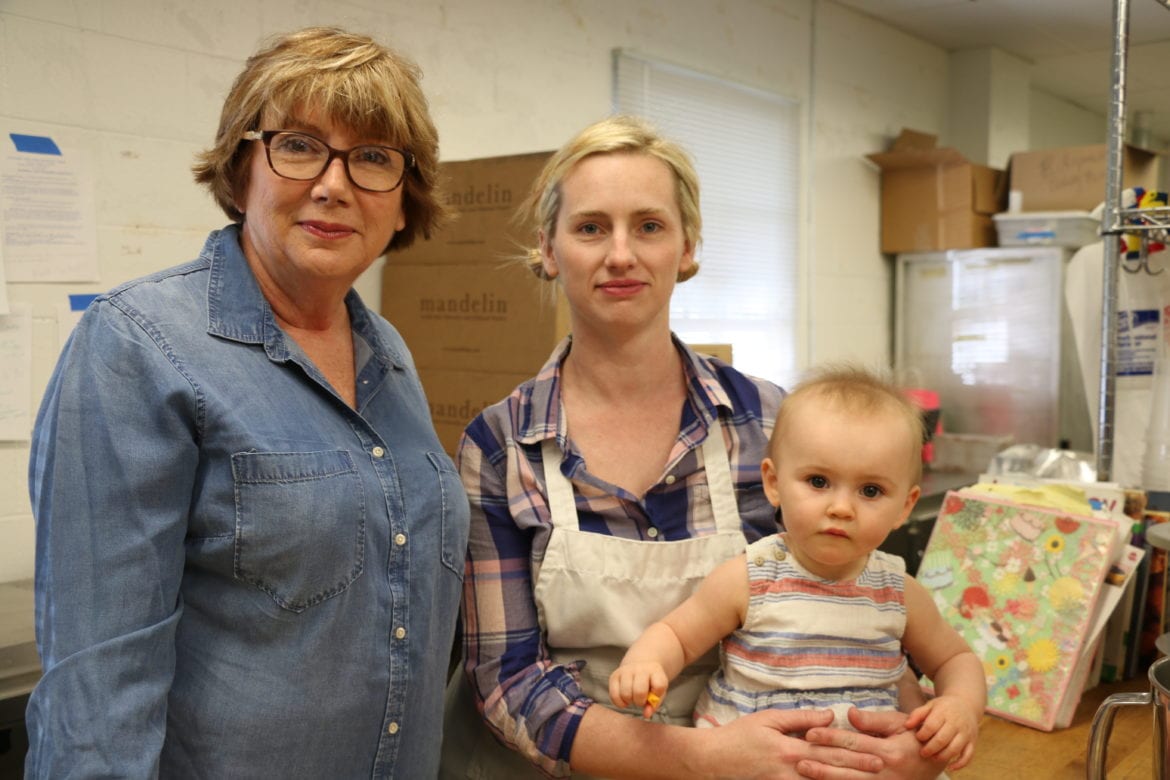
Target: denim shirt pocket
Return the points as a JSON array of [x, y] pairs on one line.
[[300, 524], [455, 512]]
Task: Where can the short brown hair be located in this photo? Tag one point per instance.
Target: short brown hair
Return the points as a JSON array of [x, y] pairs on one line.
[[856, 389], [614, 135], [353, 81]]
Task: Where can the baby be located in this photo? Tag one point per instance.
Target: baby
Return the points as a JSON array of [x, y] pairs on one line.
[[816, 616]]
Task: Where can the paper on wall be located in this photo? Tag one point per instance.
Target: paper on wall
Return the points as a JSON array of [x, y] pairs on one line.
[[3, 280], [16, 378], [46, 211]]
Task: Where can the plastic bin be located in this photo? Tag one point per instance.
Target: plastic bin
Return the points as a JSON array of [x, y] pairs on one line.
[[1072, 229]]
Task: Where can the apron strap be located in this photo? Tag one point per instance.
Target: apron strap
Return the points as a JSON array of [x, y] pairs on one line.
[[718, 470], [561, 505]]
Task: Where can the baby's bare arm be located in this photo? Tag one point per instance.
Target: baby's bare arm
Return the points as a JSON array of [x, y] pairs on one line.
[[948, 724], [713, 611]]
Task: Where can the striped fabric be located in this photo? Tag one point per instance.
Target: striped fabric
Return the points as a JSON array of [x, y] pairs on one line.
[[809, 642]]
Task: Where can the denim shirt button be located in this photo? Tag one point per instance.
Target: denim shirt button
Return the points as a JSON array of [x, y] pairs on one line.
[[400, 633], [652, 532], [377, 452], [392, 728], [400, 539]]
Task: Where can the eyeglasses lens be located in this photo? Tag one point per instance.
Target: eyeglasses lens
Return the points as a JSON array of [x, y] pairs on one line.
[[303, 157]]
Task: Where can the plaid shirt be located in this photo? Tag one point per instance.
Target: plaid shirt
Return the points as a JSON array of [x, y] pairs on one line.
[[530, 703]]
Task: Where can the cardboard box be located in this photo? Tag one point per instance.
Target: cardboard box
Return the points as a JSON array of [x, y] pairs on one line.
[[485, 195], [479, 317], [477, 321], [457, 397], [463, 300], [1072, 178], [933, 198]]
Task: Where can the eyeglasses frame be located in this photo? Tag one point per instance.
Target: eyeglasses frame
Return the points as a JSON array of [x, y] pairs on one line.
[[266, 136]]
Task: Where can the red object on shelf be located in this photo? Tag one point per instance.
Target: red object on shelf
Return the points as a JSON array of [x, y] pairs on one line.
[[928, 402]]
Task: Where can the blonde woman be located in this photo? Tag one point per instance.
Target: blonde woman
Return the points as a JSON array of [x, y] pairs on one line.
[[604, 489]]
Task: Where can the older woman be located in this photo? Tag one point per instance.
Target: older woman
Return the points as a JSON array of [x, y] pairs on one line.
[[249, 540], [604, 489]]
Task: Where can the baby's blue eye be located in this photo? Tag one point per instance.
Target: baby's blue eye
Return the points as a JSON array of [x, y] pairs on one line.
[[871, 491], [818, 482]]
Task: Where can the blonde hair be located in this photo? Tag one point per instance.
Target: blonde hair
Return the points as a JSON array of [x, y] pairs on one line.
[[859, 390], [613, 135], [351, 80]]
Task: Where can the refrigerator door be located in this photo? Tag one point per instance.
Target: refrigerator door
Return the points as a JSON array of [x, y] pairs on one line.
[[983, 327]]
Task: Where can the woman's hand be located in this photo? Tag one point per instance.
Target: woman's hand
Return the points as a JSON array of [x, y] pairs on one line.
[[768, 745], [879, 734]]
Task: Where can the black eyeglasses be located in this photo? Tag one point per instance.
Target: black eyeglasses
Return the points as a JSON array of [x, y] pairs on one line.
[[303, 157]]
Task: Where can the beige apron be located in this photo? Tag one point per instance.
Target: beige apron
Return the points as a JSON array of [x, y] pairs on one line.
[[595, 594]]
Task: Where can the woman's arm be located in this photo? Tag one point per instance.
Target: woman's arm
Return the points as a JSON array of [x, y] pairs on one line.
[[520, 692], [111, 476], [757, 746]]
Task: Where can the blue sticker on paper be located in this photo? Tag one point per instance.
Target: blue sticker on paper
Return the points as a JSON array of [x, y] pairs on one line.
[[81, 302], [34, 144]]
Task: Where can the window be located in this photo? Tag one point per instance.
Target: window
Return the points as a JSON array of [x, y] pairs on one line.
[[746, 148]]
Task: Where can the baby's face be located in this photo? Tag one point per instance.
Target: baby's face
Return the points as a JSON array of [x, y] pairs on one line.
[[843, 481]]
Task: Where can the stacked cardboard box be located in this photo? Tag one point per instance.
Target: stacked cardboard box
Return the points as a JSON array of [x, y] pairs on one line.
[[933, 198], [477, 321], [1072, 178]]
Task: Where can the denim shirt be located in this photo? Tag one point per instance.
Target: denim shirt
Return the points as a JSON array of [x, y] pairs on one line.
[[237, 575]]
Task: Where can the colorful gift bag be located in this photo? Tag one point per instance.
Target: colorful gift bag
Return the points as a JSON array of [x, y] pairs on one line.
[[1019, 583]]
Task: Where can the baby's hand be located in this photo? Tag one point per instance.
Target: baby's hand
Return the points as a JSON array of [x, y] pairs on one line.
[[641, 684], [947, 726]]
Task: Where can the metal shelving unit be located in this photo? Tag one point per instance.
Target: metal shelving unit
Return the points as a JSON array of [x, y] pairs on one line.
[[1116, 220]]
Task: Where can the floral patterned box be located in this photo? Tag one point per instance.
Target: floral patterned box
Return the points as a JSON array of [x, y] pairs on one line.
[[1019, 583]]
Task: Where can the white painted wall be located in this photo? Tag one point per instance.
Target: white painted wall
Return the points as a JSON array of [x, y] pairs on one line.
[[1054, 122], [138, 84], [988, 117], [869, 81]]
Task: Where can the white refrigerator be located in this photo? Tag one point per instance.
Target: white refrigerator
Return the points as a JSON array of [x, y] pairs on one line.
[[988, 329]]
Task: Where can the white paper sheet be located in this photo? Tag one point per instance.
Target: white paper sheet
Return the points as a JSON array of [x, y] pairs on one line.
[[3, 278], [46, 211], [16, 376]]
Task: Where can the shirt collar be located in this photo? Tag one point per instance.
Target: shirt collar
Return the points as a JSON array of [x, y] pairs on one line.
[[542, 419], [237, 310]]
